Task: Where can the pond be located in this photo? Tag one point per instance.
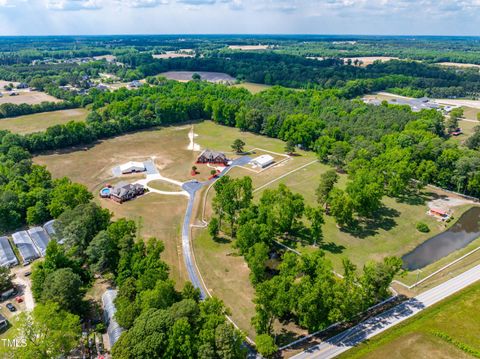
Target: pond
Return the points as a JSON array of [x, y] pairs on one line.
[[464, 231]]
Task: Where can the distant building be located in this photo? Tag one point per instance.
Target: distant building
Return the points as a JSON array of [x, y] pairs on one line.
[[22, 85], [262, 161], [135, 84], [113, 328], [132, 167], [126, 192], [209, 156], [101, 87]]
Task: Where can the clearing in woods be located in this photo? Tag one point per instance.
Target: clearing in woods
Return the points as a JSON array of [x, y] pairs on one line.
[[41, 121]]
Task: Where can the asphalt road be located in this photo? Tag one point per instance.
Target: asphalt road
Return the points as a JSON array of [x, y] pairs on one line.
[[192, 187], [376, 325]]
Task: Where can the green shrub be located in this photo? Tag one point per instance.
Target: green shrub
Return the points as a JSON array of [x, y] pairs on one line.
[[422, 227], [266, 345]]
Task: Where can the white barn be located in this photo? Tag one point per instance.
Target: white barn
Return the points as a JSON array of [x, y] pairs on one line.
[[131, 167], [262, 161]]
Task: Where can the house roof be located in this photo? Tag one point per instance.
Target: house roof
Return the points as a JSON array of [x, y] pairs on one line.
[[263, 159], [132, 165]]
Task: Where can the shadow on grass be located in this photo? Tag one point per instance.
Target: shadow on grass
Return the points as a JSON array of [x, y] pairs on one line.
[[222, 240], [332, 247], [417, 198], [366, 227]]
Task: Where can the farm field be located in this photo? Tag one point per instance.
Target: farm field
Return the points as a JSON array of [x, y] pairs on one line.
[[41, 121], [28, 97], [172, 55], [423, 336], [185, 76]]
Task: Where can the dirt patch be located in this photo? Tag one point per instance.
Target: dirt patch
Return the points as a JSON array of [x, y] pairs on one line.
[[458, 64]]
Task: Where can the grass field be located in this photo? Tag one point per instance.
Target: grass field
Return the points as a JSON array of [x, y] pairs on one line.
[[422, 336], [41, 121], [252, 87], [28, 97]]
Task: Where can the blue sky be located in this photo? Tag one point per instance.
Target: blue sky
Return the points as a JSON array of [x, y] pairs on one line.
[[395, 17]]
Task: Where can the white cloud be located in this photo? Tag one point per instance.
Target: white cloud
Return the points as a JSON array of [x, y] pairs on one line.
[[72, 5], [10, 3], [142, 3]]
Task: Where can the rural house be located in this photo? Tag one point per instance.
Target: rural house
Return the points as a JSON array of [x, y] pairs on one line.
[[126, 192], [208, 156]]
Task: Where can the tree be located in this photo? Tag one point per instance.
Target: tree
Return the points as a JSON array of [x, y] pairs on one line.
[[228, 342], [266, 345], [315, 216], [452, 121], [196, 77], [213, 227], [6, 278], [238, 145], [327, 182], [194, 169], [48, 332], [290, 147], [341, 207], [67, 195], [213, 172], [377, 278], [65, 288]]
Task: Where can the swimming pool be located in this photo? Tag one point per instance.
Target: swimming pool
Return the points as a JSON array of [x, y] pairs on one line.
[[105, 192]]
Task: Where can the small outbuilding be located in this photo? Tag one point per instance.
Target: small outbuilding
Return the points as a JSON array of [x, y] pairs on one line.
[[262, 161], [209, 156], [132, 167]]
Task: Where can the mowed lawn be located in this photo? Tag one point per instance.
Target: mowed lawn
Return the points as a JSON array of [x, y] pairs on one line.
[[41, 121], [156, 215], [456, 318]]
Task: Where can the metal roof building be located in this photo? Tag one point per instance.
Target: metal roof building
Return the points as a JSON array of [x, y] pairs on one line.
[[7, 256], [113, 328], [48, 227], [40, 239], [25, 246]]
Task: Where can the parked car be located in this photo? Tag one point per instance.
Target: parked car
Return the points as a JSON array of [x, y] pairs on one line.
[[27, 273], [11, 307], [19, 299]]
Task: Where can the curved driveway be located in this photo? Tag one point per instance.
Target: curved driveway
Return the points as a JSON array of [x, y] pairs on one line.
[[192, 187]]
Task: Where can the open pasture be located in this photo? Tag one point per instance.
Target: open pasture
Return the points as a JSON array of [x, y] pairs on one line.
[[28, 97], [41, 121]]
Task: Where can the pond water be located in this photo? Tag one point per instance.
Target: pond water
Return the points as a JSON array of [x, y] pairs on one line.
[[464, 231]]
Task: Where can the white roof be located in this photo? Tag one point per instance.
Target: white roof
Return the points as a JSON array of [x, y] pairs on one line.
[[263, 160], [132, 165]]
